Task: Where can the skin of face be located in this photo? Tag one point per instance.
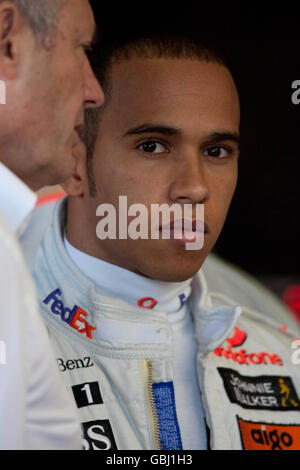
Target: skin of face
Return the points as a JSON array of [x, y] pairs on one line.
[[168, 134], [47, 91]]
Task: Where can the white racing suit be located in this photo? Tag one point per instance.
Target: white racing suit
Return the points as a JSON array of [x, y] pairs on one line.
[[248, 369]]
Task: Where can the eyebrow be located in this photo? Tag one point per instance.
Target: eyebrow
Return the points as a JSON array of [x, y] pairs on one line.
[[149, 128], [216, 137]]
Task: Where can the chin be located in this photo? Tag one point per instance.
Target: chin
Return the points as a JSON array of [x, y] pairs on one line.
[[170, 274], [177, 277], [171, 267]]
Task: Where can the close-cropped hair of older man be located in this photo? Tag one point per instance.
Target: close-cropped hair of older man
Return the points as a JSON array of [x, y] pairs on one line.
[[154, 356], [46, 83]]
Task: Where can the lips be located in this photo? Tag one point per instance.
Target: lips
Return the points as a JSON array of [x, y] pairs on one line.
[[184, 229]]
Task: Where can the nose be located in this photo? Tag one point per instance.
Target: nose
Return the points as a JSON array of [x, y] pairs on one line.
[[93, 93], [190, 181]]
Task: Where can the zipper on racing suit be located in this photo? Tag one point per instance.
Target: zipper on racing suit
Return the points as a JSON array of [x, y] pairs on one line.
[[152, 413]]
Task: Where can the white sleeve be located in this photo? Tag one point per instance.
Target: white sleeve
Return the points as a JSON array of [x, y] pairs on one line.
[[36, 410]]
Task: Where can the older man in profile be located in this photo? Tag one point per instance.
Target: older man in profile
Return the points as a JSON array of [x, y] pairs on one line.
[[48, 82]]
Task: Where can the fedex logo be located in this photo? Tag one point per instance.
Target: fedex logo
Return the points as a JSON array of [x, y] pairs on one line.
[[75, 317]]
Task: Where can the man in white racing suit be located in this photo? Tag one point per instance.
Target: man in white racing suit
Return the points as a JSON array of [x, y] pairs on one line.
[[154, 358]]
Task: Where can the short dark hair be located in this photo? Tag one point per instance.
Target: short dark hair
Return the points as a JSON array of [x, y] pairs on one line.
[[107, 54]]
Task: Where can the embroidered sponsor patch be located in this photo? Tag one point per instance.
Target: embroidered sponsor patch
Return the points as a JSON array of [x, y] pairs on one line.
[[263, 392], [75, 317], [182, 299], [147, 302], [71, 364], [87, 394], [269, 436], [242, 356], [238, 338], [98, 435], [164, 400]]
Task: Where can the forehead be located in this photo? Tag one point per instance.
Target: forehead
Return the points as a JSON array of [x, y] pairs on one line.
[[77, 19], [182, 90]]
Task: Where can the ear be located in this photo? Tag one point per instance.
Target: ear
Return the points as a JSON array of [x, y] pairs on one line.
[[75, 185], [11, 25]]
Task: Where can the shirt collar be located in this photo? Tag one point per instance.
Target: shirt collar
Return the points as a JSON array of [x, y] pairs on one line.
[[133, 288], [16, 199]]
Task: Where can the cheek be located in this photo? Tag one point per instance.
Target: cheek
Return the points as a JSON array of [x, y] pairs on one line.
[[226, 196], [224, 185], [221, 194], [113, 180], [71, 79], [229, 190]]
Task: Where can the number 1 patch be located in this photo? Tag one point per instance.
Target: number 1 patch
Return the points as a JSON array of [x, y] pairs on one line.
[[87, 394]]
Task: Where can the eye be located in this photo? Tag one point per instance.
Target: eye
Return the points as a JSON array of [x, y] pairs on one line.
[[87, 48], [218, 151], [152, 147]]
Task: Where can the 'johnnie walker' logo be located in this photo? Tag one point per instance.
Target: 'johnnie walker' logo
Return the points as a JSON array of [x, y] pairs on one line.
[[261, 392]]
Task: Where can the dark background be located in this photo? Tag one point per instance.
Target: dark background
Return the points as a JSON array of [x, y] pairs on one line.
[[262, 231]]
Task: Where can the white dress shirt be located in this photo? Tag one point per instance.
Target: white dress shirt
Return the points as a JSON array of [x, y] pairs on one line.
[[36, 411]]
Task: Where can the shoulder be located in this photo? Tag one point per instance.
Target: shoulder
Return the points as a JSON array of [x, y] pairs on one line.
[[10, 250], [19, 317], [41, 219], [233, 282]]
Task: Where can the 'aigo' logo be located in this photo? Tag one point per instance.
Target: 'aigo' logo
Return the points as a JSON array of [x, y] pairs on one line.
[[296, 354], [268, 436], [2, 92]]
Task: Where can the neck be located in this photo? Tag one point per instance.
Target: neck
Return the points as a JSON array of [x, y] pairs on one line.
[[135, 289]]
